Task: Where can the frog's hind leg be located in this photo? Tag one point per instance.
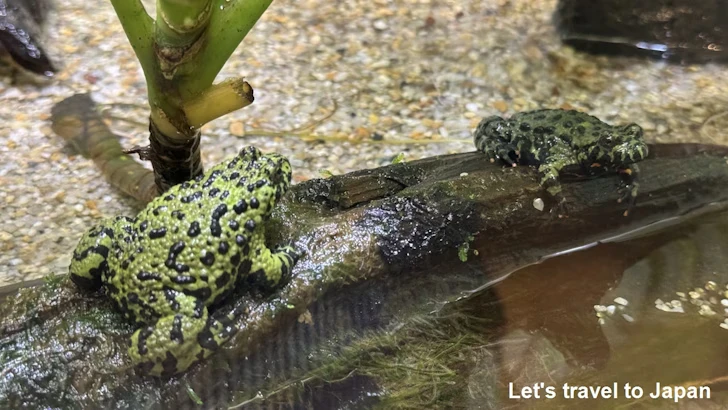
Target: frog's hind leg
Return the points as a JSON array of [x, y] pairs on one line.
[[178, 340], [629, 186]]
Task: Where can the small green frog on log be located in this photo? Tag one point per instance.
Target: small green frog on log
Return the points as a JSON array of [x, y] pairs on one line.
[[555, 140]]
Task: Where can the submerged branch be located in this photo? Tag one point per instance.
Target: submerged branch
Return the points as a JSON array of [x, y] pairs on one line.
[[77, 121]]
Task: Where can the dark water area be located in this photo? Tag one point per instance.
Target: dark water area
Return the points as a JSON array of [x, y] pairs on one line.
[[680, 31], [625, 315], [641, 312]]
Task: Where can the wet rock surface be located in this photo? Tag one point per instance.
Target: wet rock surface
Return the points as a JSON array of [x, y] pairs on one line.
[[21, 24]]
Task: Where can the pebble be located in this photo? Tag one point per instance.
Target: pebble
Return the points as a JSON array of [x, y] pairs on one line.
[[500, 105], [538, 204], [237, 128], [472, 107], [706, 310], [673, 307], [59, 195], [380, 25], [648, 126]]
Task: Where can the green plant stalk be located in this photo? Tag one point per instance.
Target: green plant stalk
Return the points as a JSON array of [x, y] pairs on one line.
[[181, 20], [138, 27], [229, 23], [218, 100], [181, 53]]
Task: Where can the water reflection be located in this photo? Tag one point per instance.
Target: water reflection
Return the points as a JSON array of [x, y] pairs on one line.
[[553, 334]]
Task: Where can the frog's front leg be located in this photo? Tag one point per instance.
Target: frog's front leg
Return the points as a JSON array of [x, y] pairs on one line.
[[271, 268], [629, 186], [90, 258], [550, 181], [178, 340], [502, 152], [497, 148]]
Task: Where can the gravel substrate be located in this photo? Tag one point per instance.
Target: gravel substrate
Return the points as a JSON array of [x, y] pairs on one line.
[[405, 69]]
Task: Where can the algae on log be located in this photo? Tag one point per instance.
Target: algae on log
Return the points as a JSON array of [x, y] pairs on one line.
[[406, 224]]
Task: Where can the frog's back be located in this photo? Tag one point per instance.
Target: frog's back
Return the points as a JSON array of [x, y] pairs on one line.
[[196, 238], [574, 127]]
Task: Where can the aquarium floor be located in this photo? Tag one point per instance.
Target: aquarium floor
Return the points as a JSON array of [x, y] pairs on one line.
[[425, 70]]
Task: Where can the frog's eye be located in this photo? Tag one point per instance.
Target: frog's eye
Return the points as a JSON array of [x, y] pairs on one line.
[[489, 127], [250, 153], [489, 122], [633, 130]]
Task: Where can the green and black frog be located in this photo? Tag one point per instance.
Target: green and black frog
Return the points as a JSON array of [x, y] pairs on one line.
[[185, 252], [556, 140]]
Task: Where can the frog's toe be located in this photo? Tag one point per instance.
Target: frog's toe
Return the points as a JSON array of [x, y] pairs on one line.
[[274, 268], [560, 208], [628, 193], [493, 157], [290, 252], [507, 159], [628, 187], [508, 154]]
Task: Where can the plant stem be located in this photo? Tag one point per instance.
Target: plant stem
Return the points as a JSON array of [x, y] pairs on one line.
[[230, 22], [137, 25], [179, 21], [181, 53]]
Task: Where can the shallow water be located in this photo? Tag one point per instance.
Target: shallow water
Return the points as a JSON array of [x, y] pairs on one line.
[[596, 318], [637, 339]]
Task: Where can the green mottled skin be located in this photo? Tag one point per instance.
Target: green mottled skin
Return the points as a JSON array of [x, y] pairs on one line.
[[183, 253], [556, 139]]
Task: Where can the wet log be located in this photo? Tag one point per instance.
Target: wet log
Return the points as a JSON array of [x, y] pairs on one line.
[[410, 237]]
